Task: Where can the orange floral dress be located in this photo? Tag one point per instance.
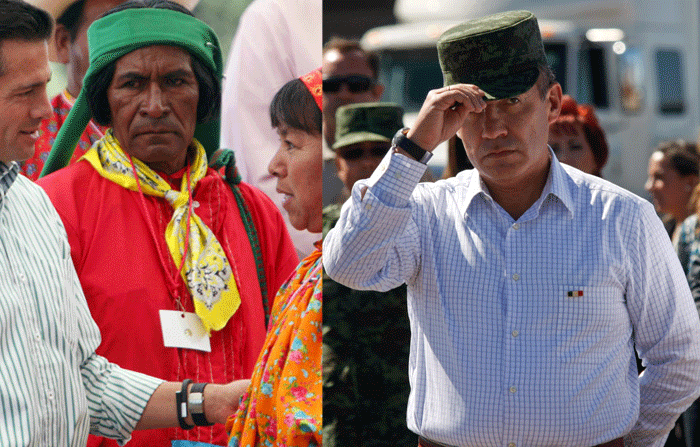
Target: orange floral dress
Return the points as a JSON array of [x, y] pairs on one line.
[[283, 404]]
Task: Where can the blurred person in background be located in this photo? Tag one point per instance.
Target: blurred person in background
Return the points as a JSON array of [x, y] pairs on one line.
[[577, 138], [366, 334], [276, 40], [688, 248], [283, 405], [457, 160], [350, 75], [673, 173]]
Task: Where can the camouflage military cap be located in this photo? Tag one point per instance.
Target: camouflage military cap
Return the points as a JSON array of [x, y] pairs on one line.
[[367, 121], [499, 53]]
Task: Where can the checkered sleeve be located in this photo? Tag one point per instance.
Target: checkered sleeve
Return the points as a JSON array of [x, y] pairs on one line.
[[375, 244], [667, 329]]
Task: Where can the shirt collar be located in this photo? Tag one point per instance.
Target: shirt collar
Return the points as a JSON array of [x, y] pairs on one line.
[[556, 185], [8, 174]]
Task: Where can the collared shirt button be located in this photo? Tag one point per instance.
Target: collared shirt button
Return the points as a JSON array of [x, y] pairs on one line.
[[21, 277], [368, 207], [398, 175], [513, 390], [515, 333], [516, 226], [50, 394], [516, 277], [195, 204]]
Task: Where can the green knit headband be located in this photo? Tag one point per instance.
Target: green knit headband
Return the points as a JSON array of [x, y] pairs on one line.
[[120, 33]]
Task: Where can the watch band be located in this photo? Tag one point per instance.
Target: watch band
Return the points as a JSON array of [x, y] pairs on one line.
[[195, 405], [416, 152], [181, 405]]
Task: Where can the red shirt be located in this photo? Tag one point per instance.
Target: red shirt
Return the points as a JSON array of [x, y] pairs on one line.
[[123, 277], [62, 104]]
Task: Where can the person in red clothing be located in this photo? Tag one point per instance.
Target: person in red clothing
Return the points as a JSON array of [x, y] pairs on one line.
[[179, 265], [69, 46]]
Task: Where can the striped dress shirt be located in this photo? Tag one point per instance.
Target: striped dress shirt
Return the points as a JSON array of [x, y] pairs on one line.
[[54, 389], [523, 332]]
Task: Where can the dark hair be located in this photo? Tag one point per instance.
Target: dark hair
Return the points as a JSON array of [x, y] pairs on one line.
[[344, 46], [72, 17], [20, 20], [584, 115], [545, 80], [294, 105], [209, 102], [683, 156]]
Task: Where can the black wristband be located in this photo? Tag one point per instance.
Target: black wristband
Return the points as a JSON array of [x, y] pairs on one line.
[[416, 152], [181, 405], [195, 405]]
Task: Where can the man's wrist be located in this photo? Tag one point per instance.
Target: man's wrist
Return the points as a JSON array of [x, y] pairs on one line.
[[404, 145], [195, 405]]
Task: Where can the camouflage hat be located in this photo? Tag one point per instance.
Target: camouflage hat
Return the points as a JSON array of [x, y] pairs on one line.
[[367, 121], [499, 53]]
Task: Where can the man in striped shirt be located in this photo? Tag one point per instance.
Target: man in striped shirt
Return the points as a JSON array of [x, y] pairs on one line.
[[54, 389]]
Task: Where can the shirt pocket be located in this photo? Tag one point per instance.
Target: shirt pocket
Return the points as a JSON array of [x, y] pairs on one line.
[[592, 324]]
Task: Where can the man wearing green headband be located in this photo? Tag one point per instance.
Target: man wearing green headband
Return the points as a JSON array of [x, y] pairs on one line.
[[530, 283], [179, 266]]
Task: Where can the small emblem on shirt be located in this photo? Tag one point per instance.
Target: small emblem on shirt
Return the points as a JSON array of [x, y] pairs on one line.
[[575, 293]]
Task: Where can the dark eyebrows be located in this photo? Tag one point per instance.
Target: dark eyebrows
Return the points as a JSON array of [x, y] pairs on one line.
[[129, 76], [37, 84], [181, 73], [137, 76]]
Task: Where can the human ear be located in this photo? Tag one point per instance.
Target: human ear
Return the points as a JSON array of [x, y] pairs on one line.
[[554, 99], [61, 40]]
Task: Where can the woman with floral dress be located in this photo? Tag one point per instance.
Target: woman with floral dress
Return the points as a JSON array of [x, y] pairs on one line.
[[284, 403]]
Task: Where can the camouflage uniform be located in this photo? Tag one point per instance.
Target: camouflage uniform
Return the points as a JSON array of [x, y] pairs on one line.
[[366, 335], [366, 342]]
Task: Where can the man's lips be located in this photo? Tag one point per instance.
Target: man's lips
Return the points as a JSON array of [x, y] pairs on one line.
[[34, 133], [497, 153], [154, 132]]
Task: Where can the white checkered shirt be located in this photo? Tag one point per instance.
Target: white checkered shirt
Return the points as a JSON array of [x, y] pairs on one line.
[[523, 332]]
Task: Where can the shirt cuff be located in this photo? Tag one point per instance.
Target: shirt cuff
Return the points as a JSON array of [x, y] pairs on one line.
[[394, 180]]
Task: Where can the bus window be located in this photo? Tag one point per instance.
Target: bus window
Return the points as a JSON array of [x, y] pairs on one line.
[[592, 76], [556, 57], [669, 74]]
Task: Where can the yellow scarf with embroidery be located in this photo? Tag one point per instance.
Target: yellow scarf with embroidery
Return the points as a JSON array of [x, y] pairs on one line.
[[206, 270]]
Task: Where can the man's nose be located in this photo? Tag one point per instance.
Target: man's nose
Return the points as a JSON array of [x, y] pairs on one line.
[[155, 103], [493, 122], [42, 107]]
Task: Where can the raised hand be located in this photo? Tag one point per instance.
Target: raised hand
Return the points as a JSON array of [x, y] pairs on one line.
[[443, 112]]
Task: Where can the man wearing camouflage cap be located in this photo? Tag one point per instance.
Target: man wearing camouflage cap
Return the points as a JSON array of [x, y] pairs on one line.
[[362, 138], [365, 385], [530, 284]]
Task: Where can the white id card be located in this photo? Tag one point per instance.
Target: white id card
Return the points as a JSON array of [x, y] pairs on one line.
[[183, 330]]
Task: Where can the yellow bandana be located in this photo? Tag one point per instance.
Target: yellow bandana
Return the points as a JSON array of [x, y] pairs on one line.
[[206, 271]]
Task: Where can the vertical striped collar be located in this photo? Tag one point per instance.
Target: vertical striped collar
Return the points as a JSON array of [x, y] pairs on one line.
[[8, 174]]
